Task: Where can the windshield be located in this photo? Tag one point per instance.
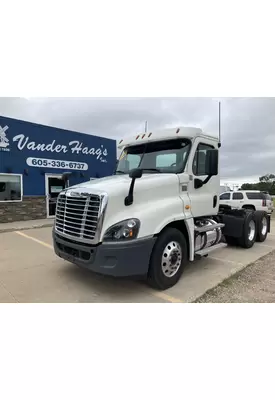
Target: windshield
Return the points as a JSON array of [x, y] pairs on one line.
[[155, 157]]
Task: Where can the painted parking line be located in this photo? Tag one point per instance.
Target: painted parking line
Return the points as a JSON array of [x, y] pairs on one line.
[[34, 239], [165, 296], [160, 295]]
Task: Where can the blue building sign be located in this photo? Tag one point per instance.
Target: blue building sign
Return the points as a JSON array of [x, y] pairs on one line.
[[41, 149], [34, 158]]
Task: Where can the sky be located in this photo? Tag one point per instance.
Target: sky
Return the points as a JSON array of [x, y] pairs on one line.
[[247, 124]]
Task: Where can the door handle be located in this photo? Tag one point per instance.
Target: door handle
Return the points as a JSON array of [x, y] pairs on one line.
[[215, 201]]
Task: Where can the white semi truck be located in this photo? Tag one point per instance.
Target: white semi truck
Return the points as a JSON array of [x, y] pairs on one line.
[[157, 213]]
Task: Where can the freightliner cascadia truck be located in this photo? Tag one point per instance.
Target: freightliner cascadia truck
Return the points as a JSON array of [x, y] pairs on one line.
[[159, 211]]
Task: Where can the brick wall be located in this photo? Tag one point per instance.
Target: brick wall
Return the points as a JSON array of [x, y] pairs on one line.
[[33, 207]]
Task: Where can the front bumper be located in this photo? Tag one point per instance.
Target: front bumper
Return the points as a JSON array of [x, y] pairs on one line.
[[114, 259]]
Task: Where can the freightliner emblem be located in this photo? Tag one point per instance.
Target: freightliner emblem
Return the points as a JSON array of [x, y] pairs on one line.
[[77, 194]]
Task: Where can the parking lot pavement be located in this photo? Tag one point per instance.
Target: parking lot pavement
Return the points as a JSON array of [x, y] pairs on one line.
[[31, 272]]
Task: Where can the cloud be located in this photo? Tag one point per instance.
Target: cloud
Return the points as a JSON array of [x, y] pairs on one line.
[[248, 124]]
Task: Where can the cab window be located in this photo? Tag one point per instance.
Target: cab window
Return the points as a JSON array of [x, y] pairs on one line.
[[199, 162]]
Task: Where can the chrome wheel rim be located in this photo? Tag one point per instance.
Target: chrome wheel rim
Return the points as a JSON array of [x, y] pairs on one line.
[[251, 230], [264, 226], [171, 259]]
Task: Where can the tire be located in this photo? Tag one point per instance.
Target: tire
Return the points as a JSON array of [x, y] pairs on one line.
[[248, 237], [262, 226], [171, 242], [231, 241]]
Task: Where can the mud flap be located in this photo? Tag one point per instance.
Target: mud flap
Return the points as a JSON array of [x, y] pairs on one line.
[[234, 223]]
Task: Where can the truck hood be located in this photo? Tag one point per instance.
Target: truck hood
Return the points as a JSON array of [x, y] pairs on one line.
[[154, 194], [119, 184]]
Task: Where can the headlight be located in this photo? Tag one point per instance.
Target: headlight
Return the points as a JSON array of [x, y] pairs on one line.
[[124, 230]]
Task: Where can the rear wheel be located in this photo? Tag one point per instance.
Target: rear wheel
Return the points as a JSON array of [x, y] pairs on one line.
[[262, 226], [248, 237], [168, 259]]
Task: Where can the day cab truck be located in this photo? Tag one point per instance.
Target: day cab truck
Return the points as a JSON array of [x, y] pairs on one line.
[[159, 211]]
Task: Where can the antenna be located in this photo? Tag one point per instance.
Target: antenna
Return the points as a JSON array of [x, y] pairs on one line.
[[146, 126], [219, 125]]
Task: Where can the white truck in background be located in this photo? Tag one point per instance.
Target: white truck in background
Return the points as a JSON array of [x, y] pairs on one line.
[[158, 212], [250, 199]]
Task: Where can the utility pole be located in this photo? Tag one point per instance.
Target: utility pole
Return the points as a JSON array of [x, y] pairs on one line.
[[220, 143], [146, 126]]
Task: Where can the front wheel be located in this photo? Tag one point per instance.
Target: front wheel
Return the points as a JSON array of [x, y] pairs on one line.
[[168, 259]]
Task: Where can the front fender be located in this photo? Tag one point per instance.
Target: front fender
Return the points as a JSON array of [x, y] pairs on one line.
[[155, 219]]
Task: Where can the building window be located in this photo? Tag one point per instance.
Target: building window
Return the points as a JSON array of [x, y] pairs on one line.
[[10, 187], [199, 163]]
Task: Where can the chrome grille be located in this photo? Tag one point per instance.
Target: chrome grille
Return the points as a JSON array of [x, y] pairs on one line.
[[77, 216]]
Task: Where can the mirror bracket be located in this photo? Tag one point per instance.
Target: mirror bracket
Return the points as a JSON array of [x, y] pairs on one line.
[[134, 174], [130, 198], [198, 183]]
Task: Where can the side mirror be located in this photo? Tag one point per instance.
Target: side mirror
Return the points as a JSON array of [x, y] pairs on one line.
[[135, 173], [212, 162]]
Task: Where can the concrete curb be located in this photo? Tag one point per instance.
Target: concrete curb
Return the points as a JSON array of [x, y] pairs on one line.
[[25, 228]]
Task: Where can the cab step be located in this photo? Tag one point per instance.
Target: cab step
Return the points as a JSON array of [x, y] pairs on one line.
[[207, 250]]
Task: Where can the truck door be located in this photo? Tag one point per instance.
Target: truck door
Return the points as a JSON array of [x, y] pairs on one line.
[[204, 200]]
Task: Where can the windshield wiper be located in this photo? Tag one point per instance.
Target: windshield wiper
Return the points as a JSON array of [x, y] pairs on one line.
[[142, 169], [150, 169]]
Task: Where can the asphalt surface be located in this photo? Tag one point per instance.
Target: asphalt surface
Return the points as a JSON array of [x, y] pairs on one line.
[[31, 272]]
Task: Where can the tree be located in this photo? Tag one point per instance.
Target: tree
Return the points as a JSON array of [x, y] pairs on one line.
[[248, 186], [268, 178], [266, 184]]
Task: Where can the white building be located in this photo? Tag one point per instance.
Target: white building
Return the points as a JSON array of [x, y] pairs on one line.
[[224, 188]]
